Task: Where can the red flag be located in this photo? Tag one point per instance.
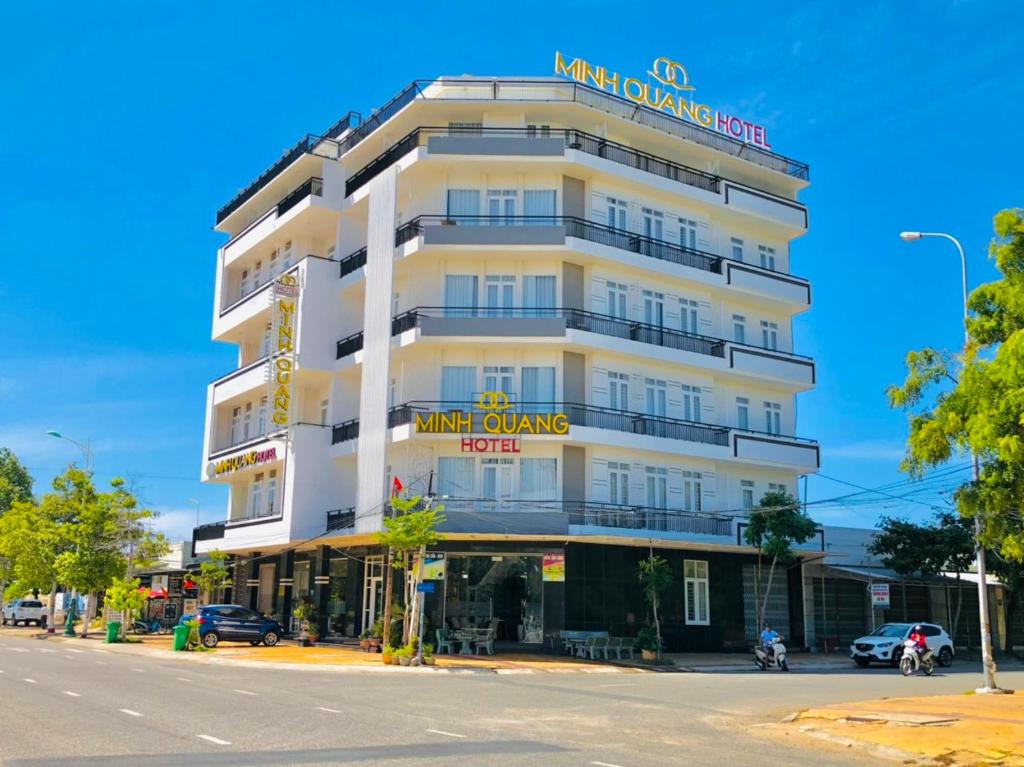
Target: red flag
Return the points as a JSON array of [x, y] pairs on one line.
[[396, 487]]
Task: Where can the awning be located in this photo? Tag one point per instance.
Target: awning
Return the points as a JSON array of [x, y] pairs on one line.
[[158, 594], [886, 575]]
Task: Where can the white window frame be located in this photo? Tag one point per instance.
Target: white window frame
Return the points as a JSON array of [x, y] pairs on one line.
[[689, 315], [618, 216], [654, 308], [618, 483], [739, 328], [767, 256], [770, 335], [618, 390], [688, 233], [653, 223], [743, 413], [656, 485], [655, 397], [747, 491], [693, 488], [736, 248], [618, 299], [696, 583], [773, 418], [692, 395]]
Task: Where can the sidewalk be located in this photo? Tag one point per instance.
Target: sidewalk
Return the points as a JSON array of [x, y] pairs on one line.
[[961, 729], [800, 661]]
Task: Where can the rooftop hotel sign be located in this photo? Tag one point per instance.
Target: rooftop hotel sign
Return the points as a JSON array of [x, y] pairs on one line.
[[282, 357], [670, 92]]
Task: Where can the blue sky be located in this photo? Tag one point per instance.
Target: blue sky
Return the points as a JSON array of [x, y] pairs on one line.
[[126, 128]]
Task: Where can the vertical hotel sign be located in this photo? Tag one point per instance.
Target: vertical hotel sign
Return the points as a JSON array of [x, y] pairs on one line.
[[282, 356]]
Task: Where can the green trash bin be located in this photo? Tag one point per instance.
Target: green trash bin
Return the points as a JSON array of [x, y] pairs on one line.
[[180, 637], [113, 631]]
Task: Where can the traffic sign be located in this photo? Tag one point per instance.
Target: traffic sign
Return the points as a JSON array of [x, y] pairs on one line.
[[427, 587]]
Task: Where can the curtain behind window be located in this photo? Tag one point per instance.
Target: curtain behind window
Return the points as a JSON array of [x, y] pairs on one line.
[[457, 385], [455, 477], [538, 387], [539, 202], [460, 295], [539, 292], [464, 202], [538, 479]]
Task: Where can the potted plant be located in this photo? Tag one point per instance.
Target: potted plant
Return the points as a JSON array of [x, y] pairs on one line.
[[428, 654], [404, 655], [305, 613], [387, 653], [647, 643]]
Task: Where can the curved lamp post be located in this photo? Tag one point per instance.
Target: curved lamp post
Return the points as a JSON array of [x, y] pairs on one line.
[[86, 452], [988, 666]]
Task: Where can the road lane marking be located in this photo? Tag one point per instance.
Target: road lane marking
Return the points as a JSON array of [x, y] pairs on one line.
[[328, 710], [17, 649], [449, 734], [624, 684], [244, 692], [101, 663], [104, 652], [129, 712], [604, 764], [212, 739], [46, 649], [140, 670], [182, 679], [72, 694], [31, 681], [72, 649]]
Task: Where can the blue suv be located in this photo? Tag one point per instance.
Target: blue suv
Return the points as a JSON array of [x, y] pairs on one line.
[[234, 622]]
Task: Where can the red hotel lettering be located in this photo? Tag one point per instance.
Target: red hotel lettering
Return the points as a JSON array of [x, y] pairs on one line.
[[490, 445]]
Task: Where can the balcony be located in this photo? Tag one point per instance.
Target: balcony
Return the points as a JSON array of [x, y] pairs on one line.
[[554, 322], [527, 141], [341, 519], [311, 187], [209, 532]]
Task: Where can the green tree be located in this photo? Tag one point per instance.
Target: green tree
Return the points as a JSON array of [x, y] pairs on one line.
[[213, 575], [127, 597], [775, 525], [30, 542], [655, 577], [946, 544], [408, 533], [976, 402], [15, 481]]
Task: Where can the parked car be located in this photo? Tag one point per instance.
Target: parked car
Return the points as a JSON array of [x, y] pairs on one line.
[[236, 623], [885, 644], [24, 611]]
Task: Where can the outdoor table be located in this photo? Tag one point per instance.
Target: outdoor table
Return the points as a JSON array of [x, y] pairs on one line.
[[466, 637]]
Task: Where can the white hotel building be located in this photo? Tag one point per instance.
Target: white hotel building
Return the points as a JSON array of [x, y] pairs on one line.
[[550, 241]]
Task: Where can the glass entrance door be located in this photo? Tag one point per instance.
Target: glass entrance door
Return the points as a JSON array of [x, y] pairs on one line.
[[265, 598], [373, 590], [502, 593]]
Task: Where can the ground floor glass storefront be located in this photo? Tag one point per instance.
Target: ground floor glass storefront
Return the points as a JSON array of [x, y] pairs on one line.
[[503, 592]]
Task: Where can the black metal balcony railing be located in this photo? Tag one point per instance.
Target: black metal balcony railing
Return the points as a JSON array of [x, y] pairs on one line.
[[209, 532], [598, 514], [311, 187], [575, 227], [352, 262], [309, 144], [341, 519], [577, 415], [575, 319]]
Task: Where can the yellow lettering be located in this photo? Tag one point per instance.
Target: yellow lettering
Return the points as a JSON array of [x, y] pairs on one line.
[[668, 102], [573, 70], [613, 79], [492, 423], [560, 424], [595, 74], [448, 422], [427, 425], [465, 422], [280, 418], [703, 114], [524, 424], [543, 423], [637, 92]]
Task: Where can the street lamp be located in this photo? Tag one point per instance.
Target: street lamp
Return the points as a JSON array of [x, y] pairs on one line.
[[196, 502], [86, 452], [988, 665]]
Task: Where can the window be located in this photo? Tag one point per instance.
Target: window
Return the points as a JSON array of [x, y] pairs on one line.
[[271, 492], [324, 403], [654, 308], [236, 417], [692, 500], [538, 479], [394, 304], [617, 300], [286, 256], [688, 318], [618, 483], [243, 285], [695, 579], [770, 335], [499, 290], [691, 402], [656, 396], [654, 223], [747, 494], [532, 131], [500, 379], [457, 387], [465, 128], [657, 487], [688, 233], [767, 256], [247, 422], [501, 205], [265, 343], [618, 391], [272, 265], [256, 496], [465, 203], [736, 245], [742, 413], [539, 205], [538, 387], [497, 478], [616, 213], [773, 417], [455, 477], [776, 487], [261, 419], [393, 392], [257, 274], [539, 292], [460, 291], [739, 328]]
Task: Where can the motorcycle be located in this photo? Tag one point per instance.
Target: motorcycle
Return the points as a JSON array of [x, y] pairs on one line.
[[155, 626], [764, 659], [912, 660]]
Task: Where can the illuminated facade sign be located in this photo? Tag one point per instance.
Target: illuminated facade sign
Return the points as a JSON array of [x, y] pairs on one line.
[[670, 92], [492, 416], [282, 360], [244, 461]]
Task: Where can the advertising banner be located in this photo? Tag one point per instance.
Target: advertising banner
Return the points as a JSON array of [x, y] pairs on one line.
[[554, 568], [433, 567], [879, 594]]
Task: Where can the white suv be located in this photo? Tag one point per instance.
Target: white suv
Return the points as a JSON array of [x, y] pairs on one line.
[[24, 611], [885, 644]]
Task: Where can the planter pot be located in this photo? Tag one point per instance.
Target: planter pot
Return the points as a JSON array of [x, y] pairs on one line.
[[649, 655], [404, 660], [428, 660], [386, 659], [304, 642], [313, 639], [364, 644]]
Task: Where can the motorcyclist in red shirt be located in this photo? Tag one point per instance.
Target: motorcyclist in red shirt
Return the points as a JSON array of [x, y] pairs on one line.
[[918, 638]]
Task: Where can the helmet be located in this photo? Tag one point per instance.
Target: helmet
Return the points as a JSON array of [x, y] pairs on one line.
[[919, 628]]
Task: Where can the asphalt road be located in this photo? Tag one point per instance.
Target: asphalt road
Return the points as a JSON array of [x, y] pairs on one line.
[[74, 703]]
